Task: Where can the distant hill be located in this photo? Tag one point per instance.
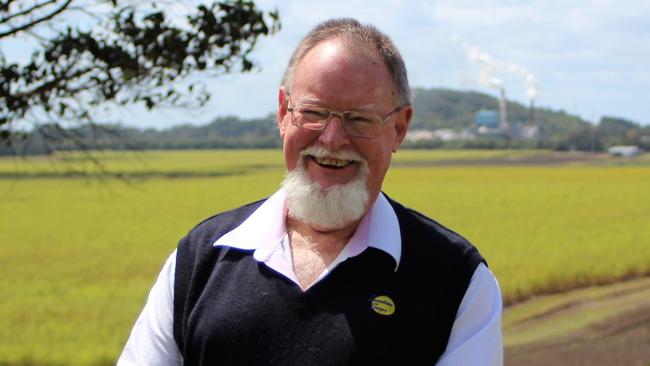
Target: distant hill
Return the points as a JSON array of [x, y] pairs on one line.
[[452, 109], [223, 132], [434, 109]]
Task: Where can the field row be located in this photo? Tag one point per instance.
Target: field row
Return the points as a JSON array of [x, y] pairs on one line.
[[212, 163], [77, 256]]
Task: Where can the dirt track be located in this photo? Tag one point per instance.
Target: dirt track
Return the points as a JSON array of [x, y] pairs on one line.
[[550, 158], [620, 338]]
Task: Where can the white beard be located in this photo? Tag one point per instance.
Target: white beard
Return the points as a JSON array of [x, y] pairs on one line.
[[329, 208]]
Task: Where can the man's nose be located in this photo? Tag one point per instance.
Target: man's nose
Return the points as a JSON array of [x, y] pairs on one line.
[[333, 136]]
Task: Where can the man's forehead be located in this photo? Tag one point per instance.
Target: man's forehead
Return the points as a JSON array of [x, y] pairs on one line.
[[351, 48], [334, 70]]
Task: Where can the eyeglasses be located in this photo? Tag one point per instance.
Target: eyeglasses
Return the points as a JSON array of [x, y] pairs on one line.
[[355, 123]]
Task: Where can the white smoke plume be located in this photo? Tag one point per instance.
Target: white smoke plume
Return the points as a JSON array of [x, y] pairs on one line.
[[490, 68], [530, 81]]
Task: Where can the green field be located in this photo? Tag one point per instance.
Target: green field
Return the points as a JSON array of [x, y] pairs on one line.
[[81, 244]]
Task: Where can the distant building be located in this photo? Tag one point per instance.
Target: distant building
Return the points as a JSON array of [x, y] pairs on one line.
[[526, 132], [441, 134], [529, 132], [488, 123], [487, 119], [419, 135], [451, 135], [626, 151]]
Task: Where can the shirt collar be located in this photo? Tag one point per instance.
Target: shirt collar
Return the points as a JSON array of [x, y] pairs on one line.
[[265, 228]]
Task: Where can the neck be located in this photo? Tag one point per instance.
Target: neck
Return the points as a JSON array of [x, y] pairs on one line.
[[318, 238], [314, 248]]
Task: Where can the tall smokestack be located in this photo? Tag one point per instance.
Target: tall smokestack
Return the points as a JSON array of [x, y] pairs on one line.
[[531, 119], [488, 68], [532, 92], [503, 119], [493, 82]]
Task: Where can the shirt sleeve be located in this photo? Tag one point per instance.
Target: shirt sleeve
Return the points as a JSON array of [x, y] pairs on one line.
[[151, 342], [475, 337]]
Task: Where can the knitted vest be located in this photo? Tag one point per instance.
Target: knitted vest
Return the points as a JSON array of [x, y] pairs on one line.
[[230, 309]]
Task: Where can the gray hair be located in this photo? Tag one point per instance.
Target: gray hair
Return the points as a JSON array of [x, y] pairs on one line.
[[365, 35]]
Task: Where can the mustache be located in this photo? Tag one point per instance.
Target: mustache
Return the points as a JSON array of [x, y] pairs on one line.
[[323, 152]]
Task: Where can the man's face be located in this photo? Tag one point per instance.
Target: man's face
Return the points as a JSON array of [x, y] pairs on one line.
[[341, 78]]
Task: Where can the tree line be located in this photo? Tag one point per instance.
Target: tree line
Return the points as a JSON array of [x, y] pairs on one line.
[[435, 109]]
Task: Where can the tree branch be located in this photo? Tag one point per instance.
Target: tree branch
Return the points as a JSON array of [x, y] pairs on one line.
[[49, 85], [37, 21], [26, 11], [140, 59]]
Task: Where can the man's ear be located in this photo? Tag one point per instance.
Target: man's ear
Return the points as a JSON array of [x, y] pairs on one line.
[[283, 104], [402, 121]]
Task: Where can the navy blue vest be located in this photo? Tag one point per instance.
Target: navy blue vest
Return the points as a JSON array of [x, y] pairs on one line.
[[230, 309]]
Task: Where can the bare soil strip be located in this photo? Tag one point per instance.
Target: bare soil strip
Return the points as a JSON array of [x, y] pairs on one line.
[[542, 158], [600, 325]]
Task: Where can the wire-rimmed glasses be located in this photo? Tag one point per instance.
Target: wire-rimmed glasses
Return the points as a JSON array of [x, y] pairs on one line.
[[365, 124]]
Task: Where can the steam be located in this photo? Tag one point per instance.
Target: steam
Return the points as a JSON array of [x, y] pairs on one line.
[[530, 81], [490, 68]]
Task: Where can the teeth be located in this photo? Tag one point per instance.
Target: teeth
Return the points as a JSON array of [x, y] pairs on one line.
[[333, 162]]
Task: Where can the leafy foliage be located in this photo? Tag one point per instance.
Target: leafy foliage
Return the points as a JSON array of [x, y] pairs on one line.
[[135, 53], [221, 133], [619, 131]]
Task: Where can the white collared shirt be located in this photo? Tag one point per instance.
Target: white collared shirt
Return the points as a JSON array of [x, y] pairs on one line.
[[475, 337]]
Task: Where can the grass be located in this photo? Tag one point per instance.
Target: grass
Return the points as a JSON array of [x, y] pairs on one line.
[[77, 256], [77, 259], [542, 229], [145, 164]]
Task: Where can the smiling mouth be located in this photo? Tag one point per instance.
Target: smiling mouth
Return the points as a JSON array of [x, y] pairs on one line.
[[331, 163]]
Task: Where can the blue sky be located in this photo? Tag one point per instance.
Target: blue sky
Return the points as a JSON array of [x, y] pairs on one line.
[[590, 58]]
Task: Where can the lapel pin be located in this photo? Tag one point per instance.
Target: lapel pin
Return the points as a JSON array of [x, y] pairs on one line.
[[382, 305]]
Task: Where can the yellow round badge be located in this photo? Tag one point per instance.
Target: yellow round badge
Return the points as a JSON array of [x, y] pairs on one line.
[[383, 305]]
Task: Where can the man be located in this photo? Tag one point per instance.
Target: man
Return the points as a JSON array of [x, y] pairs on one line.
[[328, 270]]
